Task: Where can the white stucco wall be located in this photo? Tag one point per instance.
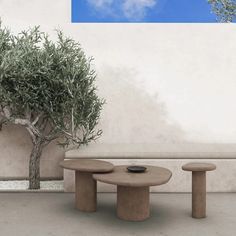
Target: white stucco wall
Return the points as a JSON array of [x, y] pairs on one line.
[[163, 83]]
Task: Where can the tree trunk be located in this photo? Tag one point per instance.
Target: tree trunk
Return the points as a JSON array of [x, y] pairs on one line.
[[34, 166]]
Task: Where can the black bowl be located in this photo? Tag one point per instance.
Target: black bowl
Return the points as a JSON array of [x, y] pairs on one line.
[[136, 169]]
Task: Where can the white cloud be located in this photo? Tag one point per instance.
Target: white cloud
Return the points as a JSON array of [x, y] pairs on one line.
[[136, 9], [129, 9], [100, 3]]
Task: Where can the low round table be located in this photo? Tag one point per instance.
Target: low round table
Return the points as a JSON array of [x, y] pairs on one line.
[[133, 189], [85, 185]]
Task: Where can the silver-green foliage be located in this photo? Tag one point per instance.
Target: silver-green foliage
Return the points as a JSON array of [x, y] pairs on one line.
[[48, 87], [224, 9]]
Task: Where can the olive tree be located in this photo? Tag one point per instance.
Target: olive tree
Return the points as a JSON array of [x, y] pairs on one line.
[[225, 10], [47, 87]]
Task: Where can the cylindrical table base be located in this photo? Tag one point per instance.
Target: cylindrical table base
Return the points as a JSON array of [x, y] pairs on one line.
[[133, 203], [85, 192], [199, 194]]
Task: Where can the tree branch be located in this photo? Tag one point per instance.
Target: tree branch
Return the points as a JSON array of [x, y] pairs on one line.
[[33, 137], [37, 119]]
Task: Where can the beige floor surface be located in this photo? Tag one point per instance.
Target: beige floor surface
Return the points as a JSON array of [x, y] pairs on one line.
[[53, 214]]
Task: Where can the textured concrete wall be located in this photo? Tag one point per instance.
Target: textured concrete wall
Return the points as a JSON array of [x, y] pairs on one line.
[[163, 83], [171, 156], [220, 180], [15, 146]]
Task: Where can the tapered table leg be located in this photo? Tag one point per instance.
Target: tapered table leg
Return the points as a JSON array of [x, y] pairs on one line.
[[85, 191], [199, 194], [133, 203]]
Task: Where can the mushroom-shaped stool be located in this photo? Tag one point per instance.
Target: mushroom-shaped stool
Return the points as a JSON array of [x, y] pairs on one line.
[[198, 186], [85, 185]]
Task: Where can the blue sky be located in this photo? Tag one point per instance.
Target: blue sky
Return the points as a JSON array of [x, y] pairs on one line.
[[142, 11]]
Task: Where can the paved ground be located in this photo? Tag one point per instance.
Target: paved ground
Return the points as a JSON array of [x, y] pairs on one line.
[[53, 214]]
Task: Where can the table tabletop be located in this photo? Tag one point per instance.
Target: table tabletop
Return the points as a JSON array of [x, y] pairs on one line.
[[154, 175], [198, 166], [87, 165]]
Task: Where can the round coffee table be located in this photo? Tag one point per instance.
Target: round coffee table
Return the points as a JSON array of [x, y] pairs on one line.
[[85, 185], [133, 189]]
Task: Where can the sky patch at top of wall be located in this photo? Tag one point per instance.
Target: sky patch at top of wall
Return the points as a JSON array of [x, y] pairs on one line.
[[160, 11]]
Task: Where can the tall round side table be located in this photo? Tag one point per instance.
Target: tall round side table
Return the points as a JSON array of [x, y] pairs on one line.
[[85, 185], [198, 186]]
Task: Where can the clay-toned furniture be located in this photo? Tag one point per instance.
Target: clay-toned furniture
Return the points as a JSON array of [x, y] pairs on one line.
[[85, 185], [133, 189], [198, 186]]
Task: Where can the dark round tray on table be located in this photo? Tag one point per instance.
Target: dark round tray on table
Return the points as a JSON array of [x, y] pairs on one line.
[[136, 169]]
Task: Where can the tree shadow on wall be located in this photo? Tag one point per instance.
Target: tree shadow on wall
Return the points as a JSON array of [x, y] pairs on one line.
[[131, 115], [15, 145]]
